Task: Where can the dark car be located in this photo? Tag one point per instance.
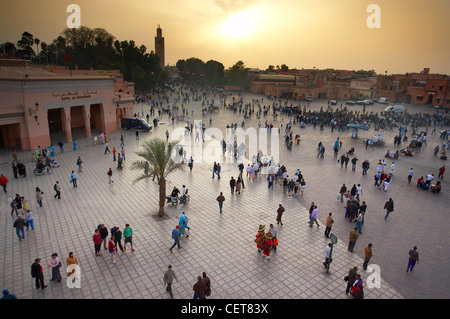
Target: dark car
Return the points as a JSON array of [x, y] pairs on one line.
[[129, 123]]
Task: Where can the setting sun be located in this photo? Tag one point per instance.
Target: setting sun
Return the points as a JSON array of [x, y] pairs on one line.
[[241, 24]]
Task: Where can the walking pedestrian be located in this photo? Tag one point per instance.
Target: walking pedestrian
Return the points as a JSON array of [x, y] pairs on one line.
[[367, 255], [342, 160], [121, 140], [358, 192], [239, 183], [260, 237], [19, 224], [392, 168], [112, 249], [274, 232], [327, 255], [267, 244], [106, 148], [208, 284], [37, 274], [29, 220], [176, 237], [183, 225], [377, 177], [15, 170], [413, 259], [104, 234], [73, 179], [123, 153], [280, 212], [4, 182], [352, 239], [354, 160], [97, 239], [219, 168], [314, 215], [39, 197], [440, 175], [199, 288], [119, 162], [410, 175], [346, 160], [232, 184], [109, 173], [57, 189], [389, 206], [117, 233], [137, 135], [191, 164], [350, 278], [329, 223], [169, 276], [55, 264], [359, 220], [79, 162], [342, 192], [128, 235], [72, 262], [114, 154], [220, 199]]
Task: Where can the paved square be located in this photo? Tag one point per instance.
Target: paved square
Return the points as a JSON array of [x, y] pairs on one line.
[[223, 245]]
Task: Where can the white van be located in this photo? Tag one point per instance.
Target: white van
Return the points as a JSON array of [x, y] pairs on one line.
[[384, 100], [395, 109]]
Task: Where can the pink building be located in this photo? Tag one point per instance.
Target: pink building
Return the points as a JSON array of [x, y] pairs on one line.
[[36, 103]]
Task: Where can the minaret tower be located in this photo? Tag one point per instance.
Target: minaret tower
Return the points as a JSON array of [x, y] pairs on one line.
[[159, 46]]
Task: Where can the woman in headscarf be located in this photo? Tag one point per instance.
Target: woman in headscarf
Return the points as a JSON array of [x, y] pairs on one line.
[[267, 243], [260, 237]]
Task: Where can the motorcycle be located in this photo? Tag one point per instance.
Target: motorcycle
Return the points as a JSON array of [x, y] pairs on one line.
[[52, 163], [174, 201], [184, 199], [41, 171]]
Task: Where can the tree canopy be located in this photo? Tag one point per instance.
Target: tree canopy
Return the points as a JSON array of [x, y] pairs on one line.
[[96, 49]]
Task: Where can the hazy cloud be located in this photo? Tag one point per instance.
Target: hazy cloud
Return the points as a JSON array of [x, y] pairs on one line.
[[233, 6]]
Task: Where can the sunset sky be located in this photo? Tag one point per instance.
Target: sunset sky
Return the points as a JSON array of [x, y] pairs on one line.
[[298, 33]]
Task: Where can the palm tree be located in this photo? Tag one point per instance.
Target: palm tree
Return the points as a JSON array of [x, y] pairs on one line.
[[158, 154], [37, 41]]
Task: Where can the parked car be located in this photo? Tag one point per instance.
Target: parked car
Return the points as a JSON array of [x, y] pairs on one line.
[[368, 102], [440, 107], [395, 109], [332, 102], [384, 100], [309, 99], [360, 102], [350, 102], [129, 123]]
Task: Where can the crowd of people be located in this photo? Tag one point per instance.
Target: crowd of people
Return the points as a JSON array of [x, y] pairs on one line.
[[266, 238]]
